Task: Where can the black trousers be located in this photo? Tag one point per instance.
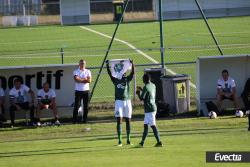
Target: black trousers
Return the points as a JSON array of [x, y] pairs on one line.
[[2, 119], [246, 101], [81, 95], [24, 106]]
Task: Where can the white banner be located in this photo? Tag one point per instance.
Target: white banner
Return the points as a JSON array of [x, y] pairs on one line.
[[119, 67], [60, 77]]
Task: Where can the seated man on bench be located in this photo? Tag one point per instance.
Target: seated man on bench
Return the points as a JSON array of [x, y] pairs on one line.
[[46, 98], [19, 100], [2, 119], [226, 89]]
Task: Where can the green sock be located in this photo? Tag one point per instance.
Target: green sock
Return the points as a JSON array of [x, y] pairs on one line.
[[156, 134], [119, 132], [128, 130], [145, 133]]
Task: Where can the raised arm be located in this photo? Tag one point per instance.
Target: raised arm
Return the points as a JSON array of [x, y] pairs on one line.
[[109, 72], [130, 77]]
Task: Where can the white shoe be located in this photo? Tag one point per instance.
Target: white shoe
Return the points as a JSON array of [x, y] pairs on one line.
[[57, 123], [119, 145], [38, 124]]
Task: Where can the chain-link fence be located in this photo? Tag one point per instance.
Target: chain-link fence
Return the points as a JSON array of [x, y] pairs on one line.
[[184, 40], [102, 11]]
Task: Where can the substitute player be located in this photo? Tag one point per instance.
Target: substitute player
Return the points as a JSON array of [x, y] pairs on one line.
[[123, 106], [147, 94], [19, 100], [46, 99], [226, 89]]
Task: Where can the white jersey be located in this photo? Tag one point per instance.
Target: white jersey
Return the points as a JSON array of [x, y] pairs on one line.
[[1, 92], [83, 74], [41, 94], [226, 86], [20, 95]]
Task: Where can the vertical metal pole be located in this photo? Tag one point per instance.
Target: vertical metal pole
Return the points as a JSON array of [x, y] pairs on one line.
[[24, 8], [108, 50], [209, 28], [134, 86], [9, 11], [132, 3], [62, 55], [161, 35]]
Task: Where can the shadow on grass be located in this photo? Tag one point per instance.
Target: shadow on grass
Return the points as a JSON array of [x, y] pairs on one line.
[[134, 135], [58, 151], [106, 148]]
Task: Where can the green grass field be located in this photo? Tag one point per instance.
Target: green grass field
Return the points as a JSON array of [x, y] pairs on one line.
[[185, 142], [185, 139], [185, 40]]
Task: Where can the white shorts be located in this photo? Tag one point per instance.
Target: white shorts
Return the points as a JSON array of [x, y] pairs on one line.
[[123, 108], [149, 118]]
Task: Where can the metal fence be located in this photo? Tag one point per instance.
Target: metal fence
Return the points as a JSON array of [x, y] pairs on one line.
[[102, 11], [104, 90], [185, 41]]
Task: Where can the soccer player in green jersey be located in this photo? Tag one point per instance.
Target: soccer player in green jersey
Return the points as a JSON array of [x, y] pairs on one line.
[[147, 94], [123, 106]]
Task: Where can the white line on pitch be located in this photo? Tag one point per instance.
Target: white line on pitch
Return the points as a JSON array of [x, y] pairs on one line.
[[225, 33], [132, 47]]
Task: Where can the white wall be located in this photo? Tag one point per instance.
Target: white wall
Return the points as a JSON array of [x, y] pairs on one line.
[[65, 94], [181, 9], [75, 12]]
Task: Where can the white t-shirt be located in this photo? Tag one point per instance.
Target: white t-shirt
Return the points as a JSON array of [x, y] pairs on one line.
[[41, 94], [82, 74], [226, 86], [1, 92], [20, 95]]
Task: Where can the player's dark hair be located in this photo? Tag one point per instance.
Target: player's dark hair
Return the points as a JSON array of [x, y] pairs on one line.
[[17, 80], [146, 78], [224, 71]]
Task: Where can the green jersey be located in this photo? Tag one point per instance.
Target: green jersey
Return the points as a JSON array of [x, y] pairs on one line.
[[122, 87], [148, 96]]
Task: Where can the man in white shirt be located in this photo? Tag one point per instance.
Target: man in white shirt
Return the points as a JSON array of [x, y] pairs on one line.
[[226, 89], [46, 99], [82, 78], [2, 95], [19, 100]]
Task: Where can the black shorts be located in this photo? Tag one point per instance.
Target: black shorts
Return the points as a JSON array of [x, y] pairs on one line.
[[45, 101], [24, 106], [229, 98]]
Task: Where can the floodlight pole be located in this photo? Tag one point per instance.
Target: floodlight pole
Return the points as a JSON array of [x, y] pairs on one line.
[[208, 26], [108, 50], [162, 49]]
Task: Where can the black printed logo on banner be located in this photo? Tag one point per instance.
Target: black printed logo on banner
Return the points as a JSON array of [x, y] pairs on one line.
[[8, 82]]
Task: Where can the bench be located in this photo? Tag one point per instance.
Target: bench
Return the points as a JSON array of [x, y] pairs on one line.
[[227, 104]]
